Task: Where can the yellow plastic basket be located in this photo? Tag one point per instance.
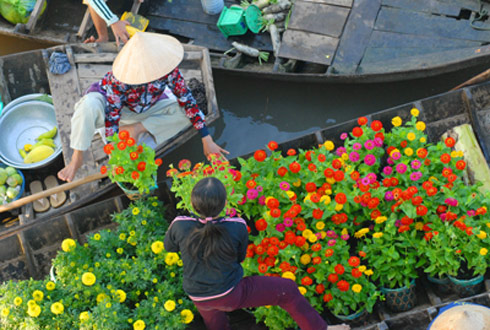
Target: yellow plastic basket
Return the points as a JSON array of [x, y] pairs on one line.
[[137, 23]]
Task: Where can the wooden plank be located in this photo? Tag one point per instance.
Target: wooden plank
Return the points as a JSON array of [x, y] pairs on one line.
[[208, 36], [213, 111], [473, 5], [95, 57], [356, 36], [381, 39], [307, 46], [189, 74], [388, 54], [85, 83], [410, 22], [343, 3], [97, 71], [34, 17], [318, 18], [428, 6]]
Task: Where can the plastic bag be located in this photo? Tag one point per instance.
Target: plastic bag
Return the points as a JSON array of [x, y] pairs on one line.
[[18, 11]]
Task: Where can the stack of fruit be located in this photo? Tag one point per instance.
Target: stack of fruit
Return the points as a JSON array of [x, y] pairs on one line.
[[10, 184], [42, 149]]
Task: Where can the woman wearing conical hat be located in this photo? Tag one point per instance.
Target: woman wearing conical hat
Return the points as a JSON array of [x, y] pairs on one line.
[[144, 94]]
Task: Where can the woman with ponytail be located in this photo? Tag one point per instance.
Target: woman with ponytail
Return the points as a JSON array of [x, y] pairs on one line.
[[212, 248]]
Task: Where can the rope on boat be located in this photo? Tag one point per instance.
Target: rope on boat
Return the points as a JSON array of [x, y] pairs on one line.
[[479, 17]]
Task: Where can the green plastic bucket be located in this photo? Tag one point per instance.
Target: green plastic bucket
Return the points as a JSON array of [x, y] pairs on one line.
[[253, 18], [231, 22]]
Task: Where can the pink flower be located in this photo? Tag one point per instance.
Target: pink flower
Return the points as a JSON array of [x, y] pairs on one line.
[[365, 181], [442, 216], [390, 161], [259, 188], [401, 168], [415, 176], [231, 212], [389, 196], [252, 194], [343, 136], [471, 213], [387, 170], [345, 237], [331, 242], [354, 157], [370, 159], [331, 234], [396, 155], [451, 201], [284, 185], [318, 235], [357, 146], [369, 145], [378, 142], [288, 222], [262, 200], [340, 151], [280, 227], [416, 164], [372, 177]]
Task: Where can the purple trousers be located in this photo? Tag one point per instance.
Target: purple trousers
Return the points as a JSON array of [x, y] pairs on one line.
[[255, 291]]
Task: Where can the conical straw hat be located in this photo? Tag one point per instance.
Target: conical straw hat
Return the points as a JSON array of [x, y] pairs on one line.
[[463, 317], [146, 57]]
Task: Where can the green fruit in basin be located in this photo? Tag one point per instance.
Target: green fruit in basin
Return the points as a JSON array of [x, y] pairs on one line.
[[12, 192], [3, 190], [14, 180], [48, 135], [10, 170], [3, 175]]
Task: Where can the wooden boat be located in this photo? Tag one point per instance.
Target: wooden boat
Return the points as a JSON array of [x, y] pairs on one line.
[[336, 41], [28, 73], [26, 249]]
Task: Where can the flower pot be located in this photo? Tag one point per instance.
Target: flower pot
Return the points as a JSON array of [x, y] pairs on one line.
[[442, 285], [400, 299], [466, 288], [132, 192], [355, 319]]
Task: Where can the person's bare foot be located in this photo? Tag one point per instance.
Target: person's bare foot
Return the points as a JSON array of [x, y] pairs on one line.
[[92, 39], [68, 173]]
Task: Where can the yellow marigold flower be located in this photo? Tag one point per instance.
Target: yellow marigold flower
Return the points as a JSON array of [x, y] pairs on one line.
[[97, 237], [155, 280], [171, 258], [312, 238], [144, 222], [454, 154], [368, 272], [139, 325], [302, 289], [121, 295], [157, 247], [339, 207], [34, 310], [345, 156], [482, 234], [180, 263], [68, 245], [132, 233], [361, 232], [297, 183], [88, 279], [419, 225], [289, 275], [187, 316], [414, 112], [38, 295], [172, 274], [5, 312], [423, 140], [357, 288], [169, 305], [101, 297], [108, 305], [132, 241], [290, 194], [380, 219], [122, 236], [411, 136], [362, 268], [325, 199], [323, 233], [57, 308], [17, 301], [483, 251], [488, 224], [378, 235], [320, 225], [84, 316], [136, 211], [329, 145], [420, 125], [307, 197], [306, 233], [31, 303], [408, 151], [396, 121], [305, 259], [120, 250]]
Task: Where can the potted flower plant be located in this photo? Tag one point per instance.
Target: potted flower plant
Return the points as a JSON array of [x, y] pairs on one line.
[[132, 166]]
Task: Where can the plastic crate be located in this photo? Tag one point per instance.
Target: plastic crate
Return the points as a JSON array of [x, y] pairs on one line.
[[231, 22]]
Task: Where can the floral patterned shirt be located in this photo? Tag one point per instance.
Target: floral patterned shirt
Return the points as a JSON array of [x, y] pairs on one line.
[[139, 98]]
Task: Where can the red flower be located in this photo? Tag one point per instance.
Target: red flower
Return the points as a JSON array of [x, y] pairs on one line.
[[339, 269], [272, 203], [310, 187], [343, 285], [103, 169], [275, 213], [259, 249], [376, 125], [306, 281], [119, 170], [308, 154], [327, 297], [312, 167], [250, 184], [139, 149], [403, 228], [328, 173], [262, 268], [336, 164], [121, 145], [123, 135], [340, 198], [403, 144], [261, 224], [320, 288], [354, 261], [445, 158], [362, 121], [355, 175], [316, 260], [272, 145], [184, 164], [130, 142], [328, 253], [135, 175], [281, 171], [356, 273], [460, 164], [158, 162], [295, 167], [133, 155], [300, 241], [260, 155], [317, 213], [362, 254], [321, 158], [310, 270], [291, 152], [422, 153], [421, 210], [272, 250], [316, 247], [108, 148], [141, 166], [450, 142], [357, 132], [333, 278], [338, 176]]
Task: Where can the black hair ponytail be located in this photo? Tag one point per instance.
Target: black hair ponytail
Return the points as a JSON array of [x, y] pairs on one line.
[[212, 241]]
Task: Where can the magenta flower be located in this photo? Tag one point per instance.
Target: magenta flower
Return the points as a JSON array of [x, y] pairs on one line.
[[331, 234], [401, 168], [259, 188], [369, 144], [343, 136], [284, 185], [451, 201], [390, 161], [398, 223], [252, 194], [471, 213], [378, 142], [357, 146], [415, 176], [354, 157], [345, 237], [387, 170], [231, 212], [396, 155], [372, 177], [340, 151], [370, 159], [416, 164], [443, 216], [288, 222], [318, 235], [365, 181], [389, 196], [280, 227], [243, 200], [262, 200], [332, 242]]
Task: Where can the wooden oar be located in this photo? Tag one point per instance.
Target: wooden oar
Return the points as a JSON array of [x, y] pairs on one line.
[[485, 75], [51, 191]]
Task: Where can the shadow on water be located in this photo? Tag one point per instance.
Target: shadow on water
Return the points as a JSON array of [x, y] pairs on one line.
[[254, 111]]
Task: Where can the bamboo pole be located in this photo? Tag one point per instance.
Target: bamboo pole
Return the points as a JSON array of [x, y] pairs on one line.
[[485, 75], [51, 191]]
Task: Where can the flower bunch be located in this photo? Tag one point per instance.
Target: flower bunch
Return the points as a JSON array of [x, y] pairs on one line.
[[130, 163]]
